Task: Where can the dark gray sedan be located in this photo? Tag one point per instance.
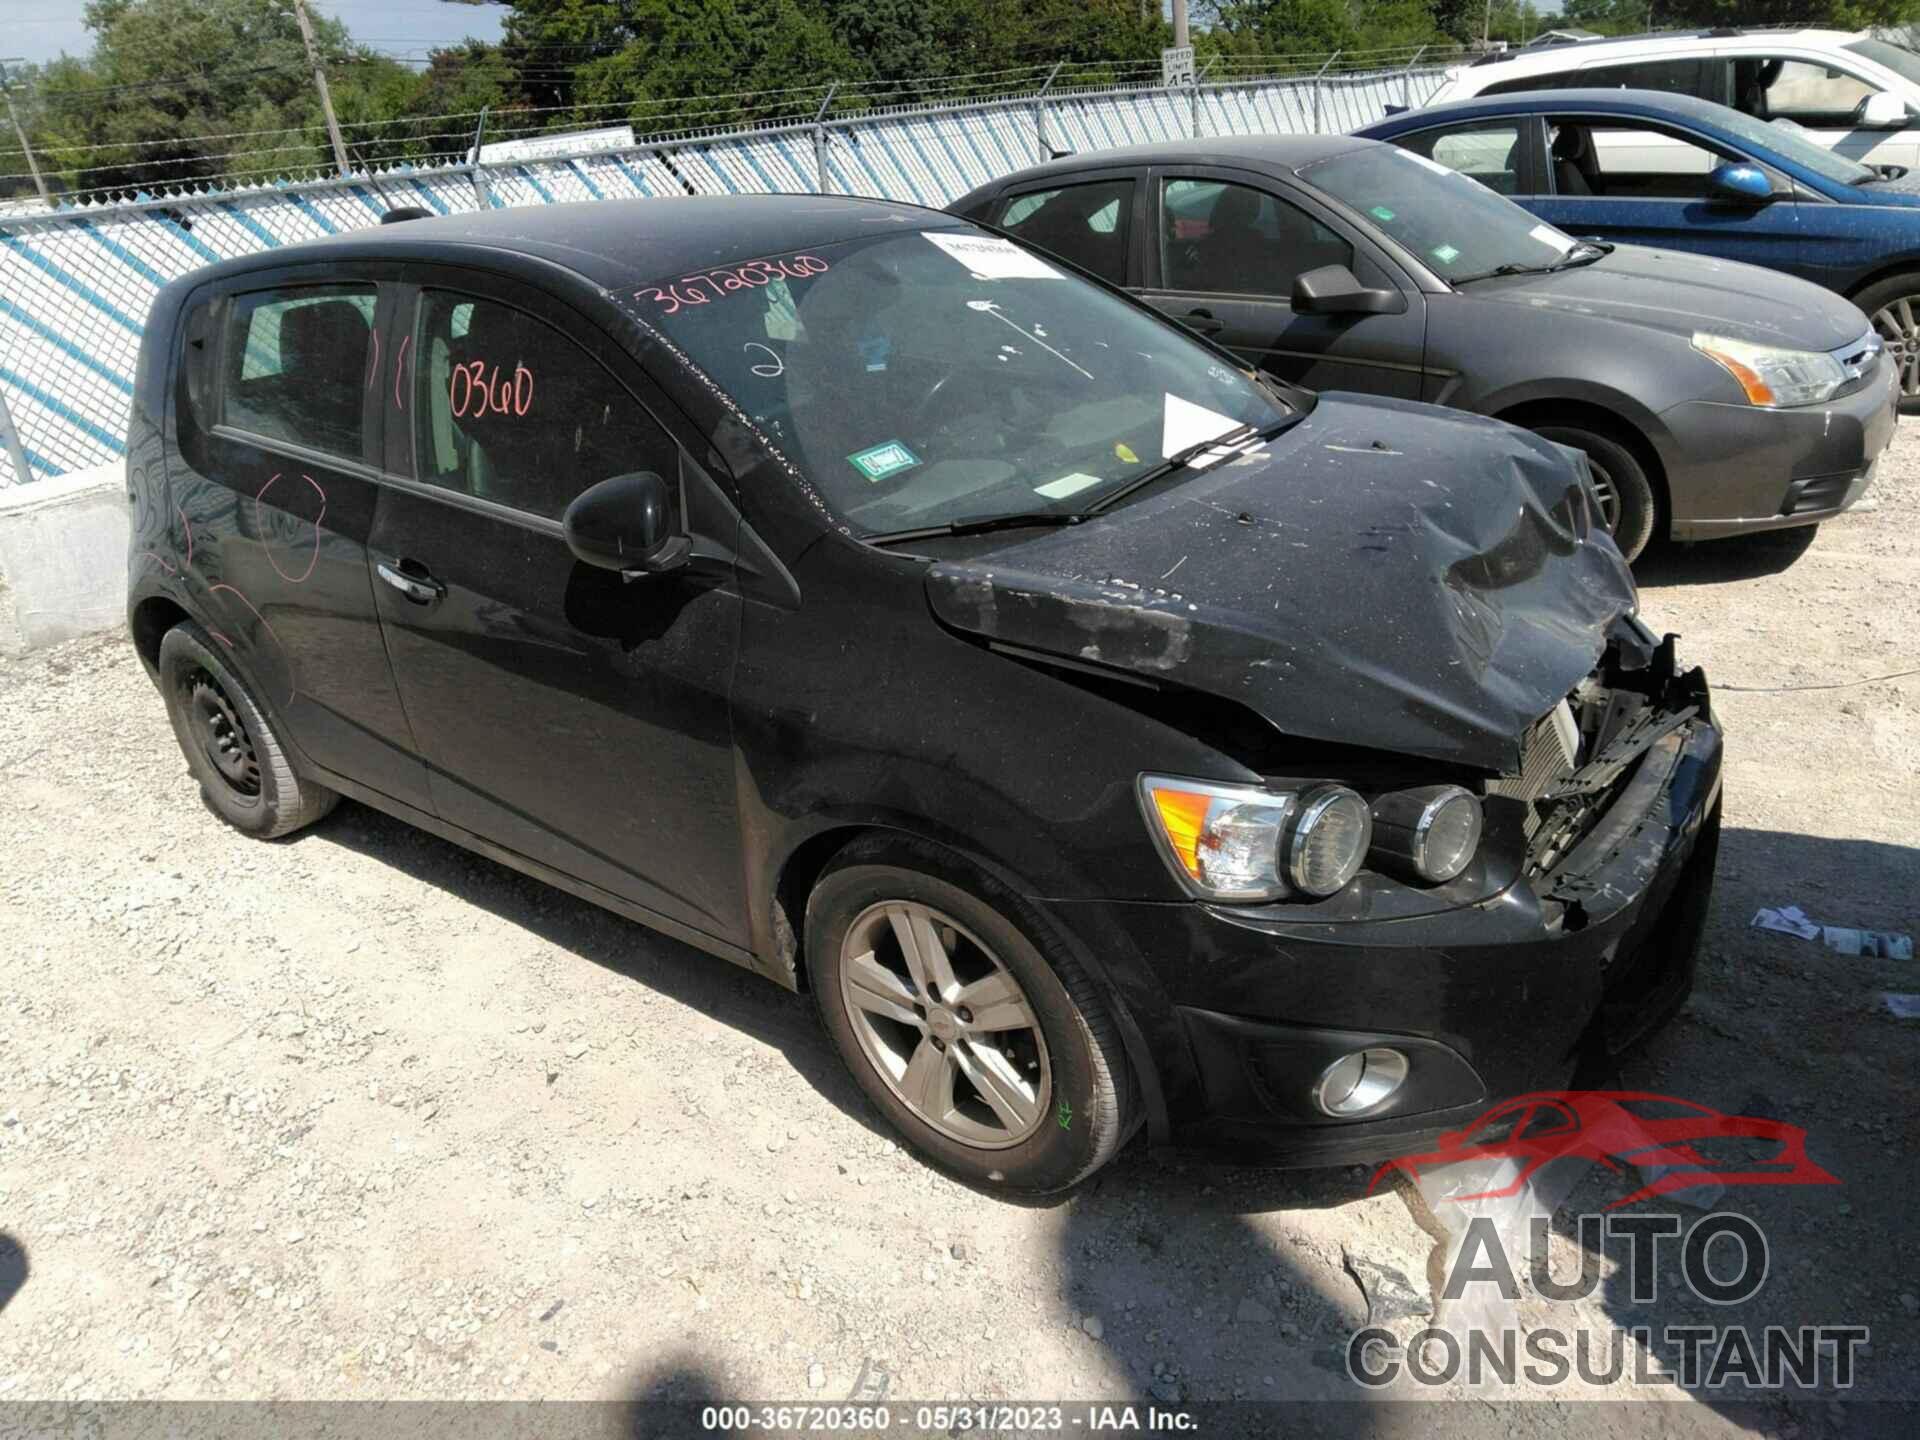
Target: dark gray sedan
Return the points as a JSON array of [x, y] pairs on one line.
[[1712, 398]]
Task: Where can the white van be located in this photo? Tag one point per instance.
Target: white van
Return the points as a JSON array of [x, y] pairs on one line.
[[1856, 92]]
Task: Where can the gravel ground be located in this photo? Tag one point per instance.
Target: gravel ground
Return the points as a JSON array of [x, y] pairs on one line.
[[362, 1115]]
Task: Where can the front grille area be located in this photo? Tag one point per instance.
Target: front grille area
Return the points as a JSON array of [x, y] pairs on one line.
[[1857, 359], [1548, 756]]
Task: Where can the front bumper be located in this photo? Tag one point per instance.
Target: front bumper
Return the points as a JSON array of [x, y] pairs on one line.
[[1736, 469], [1241, 1009]]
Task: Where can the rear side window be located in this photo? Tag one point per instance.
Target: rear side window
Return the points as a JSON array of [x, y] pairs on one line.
[[1086, 224], [296, 363], [1488, 151], [508, 409], [1677, 77]]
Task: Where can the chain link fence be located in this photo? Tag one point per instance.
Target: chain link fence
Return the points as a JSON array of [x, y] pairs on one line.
[[76, 284]]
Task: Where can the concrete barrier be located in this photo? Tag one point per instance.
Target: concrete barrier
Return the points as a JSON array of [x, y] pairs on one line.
[[63, 557]]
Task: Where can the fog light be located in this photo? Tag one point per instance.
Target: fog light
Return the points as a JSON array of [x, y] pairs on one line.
[[1362, 1081]]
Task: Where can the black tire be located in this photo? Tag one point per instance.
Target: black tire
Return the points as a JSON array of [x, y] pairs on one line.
[[1090, 1108], [242, 767], [1898, 326], [1619, 471]]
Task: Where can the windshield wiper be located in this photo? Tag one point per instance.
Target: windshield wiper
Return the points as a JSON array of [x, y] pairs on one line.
[[1013, 520], [1180, 459], [1584, 252]]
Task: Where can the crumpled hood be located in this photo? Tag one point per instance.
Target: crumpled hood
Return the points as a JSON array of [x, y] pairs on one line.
[[1382, 574], [1681, 293]]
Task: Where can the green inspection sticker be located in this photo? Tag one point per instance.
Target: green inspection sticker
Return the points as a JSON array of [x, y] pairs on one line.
[[1380, 212], [1445, 254], [881, 461]]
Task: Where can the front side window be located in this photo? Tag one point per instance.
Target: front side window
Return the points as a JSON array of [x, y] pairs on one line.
[[1488, 151], [296, 363], [1226, 239], [940, 376], [1086, 224], [508, 409], [1798, 90], [1630, 161], [1459, 229]]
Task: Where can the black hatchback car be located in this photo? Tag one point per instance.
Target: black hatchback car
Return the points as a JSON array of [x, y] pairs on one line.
[[1100, 734], [1711, 398]]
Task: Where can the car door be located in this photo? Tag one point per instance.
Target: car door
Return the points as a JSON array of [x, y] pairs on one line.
[[1223, 251], [1823, 96], [276, 489], [568, 713], [1644, 182]]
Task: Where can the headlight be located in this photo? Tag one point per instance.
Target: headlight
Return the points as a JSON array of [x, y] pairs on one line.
[[1428, 834], [1772, 376], [1326, 845], [1238, 842]]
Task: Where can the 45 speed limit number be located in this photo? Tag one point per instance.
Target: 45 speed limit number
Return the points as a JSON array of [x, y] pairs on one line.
[[982, 1419]]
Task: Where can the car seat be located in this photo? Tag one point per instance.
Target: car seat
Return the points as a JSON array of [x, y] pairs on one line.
[[1574, 167]]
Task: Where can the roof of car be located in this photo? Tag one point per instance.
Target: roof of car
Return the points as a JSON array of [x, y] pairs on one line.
[[1663, 102], [613, 243], [1288, 151], [1657, 42]]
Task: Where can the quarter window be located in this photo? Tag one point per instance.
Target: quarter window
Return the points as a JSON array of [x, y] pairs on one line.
[[1086, 224], [508, 409], [1222, 238], [296, 365]]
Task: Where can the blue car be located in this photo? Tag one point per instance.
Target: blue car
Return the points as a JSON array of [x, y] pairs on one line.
[[1673, 172]]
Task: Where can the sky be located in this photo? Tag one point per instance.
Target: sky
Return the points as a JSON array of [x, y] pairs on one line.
[[42, 29]]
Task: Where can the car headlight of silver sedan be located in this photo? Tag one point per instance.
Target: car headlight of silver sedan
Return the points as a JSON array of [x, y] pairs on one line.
[[1771, 375]]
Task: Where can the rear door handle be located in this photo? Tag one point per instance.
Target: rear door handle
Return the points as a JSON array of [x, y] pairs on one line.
[[422, 589], [1202, 322]]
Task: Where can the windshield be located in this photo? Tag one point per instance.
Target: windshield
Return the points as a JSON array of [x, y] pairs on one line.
[[1897, 58], [1793, 145], [935, 377], [1459, 227]]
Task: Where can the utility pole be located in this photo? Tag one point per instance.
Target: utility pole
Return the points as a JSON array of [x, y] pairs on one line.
[[6, 88], [1180, 24], [320, 84]]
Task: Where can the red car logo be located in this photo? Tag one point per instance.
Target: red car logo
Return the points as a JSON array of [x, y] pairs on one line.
[[1684, 1144]]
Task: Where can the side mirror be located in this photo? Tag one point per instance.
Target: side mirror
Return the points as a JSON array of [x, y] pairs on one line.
[[1741, 184], [626, 523], [1336, 290], [1881, 111]]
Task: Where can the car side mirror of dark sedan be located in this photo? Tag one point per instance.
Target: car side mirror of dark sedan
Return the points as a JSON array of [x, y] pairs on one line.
[[625, 523], [1336, 290], [1740, 184]]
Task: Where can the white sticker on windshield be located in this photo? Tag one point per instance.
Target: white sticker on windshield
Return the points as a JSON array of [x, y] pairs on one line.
[[1547, 235], [1066, 485], [1188, 424], [992, 258]]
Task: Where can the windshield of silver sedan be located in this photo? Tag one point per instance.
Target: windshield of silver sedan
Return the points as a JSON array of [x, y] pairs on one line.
[[938, 377]]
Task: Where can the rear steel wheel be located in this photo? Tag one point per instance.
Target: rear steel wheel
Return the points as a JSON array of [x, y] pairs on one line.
[[222, 735], [945, 1024]]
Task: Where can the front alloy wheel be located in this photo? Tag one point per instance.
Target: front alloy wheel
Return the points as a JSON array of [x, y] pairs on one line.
[[965, 1019], [1898, 325], [945, 1024]]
